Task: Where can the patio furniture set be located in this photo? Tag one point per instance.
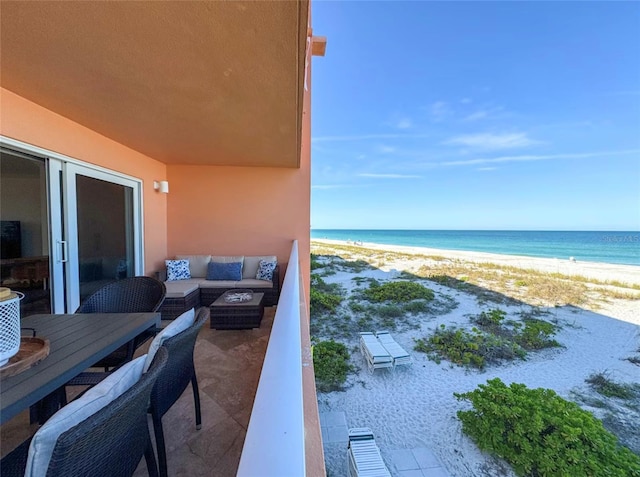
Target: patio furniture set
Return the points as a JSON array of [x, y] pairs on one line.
[[199, 280], [104, 431]]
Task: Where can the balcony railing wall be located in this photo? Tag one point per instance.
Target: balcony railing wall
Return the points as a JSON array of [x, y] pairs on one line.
[[275, 442]]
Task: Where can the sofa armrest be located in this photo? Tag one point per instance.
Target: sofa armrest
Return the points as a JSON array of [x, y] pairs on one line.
[[161, 275]]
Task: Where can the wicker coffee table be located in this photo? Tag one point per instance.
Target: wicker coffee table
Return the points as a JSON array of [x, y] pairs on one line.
[[237, 315]]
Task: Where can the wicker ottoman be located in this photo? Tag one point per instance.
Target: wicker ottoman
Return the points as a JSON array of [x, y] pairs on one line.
[[237, 316]]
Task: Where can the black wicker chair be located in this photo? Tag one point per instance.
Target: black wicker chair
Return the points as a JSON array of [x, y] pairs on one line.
[[129, 295], [109, 443], [174, 379]]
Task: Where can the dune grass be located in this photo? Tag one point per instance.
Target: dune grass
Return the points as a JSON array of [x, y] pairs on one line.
[[491, 282]]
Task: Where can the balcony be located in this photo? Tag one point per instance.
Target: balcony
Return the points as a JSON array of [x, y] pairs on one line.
[[243, 376]]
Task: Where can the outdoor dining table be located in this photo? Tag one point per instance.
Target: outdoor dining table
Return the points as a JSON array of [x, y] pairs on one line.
[[76, 342]]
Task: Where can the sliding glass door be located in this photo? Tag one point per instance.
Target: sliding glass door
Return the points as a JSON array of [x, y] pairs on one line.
[[67, 229], [101, 211], [24, 232]]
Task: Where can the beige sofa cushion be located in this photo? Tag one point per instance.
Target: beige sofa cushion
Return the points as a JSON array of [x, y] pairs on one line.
[[251, 264], [253, 283], [226, 258], [220, 284], [197, 264], [181, 288]]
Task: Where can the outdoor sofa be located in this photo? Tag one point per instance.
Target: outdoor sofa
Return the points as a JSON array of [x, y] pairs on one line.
[[202, 289]]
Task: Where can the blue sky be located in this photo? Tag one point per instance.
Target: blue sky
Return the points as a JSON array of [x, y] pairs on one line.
[[476, 115]]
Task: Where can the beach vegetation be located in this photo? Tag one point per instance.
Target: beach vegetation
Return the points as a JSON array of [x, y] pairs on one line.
[[315, 263], [397, 292], [357, 307], [417, 306], [530, 334], [390, 311], [331, 365], [473, 348], [354, 266], [541, 434], [324, 297], [634, 359], [535, 334], [604, 385], [496, 283]]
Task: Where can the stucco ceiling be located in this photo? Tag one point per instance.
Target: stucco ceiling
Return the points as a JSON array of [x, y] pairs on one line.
[[198, 82]]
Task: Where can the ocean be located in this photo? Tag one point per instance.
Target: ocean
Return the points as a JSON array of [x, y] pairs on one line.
[[607, 247]]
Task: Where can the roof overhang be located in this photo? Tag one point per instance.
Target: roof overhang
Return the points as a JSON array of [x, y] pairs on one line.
[[200, 82]]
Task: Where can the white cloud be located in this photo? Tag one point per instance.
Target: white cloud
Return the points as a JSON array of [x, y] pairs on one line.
[[527, 158], [329, 186], [483, 114], [386, 149], [492, 141], [466, 100], [389, 176], [440, 110], [404, 123]]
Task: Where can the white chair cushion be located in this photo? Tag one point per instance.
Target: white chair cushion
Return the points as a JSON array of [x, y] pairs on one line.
[[94, 399], [197, 264], [251, 264], [177, 326]]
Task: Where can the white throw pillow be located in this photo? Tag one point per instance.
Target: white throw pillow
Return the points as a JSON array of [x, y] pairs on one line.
[[177, 270], [96, 398], [177, 326], [265, 270], [251, 264]]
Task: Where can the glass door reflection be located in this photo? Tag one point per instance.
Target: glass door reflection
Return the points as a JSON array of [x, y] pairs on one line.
[[105, 224]]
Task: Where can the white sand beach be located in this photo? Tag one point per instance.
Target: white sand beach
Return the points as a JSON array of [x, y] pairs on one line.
[[414, 406]]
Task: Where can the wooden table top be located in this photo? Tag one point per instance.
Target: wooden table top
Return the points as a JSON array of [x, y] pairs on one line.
[[77, 341]]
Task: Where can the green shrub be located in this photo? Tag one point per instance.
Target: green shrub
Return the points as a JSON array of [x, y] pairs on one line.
[[315, 264], [323, 302], [331, 365], [418, 306], [323, 296], [390, 311], [356, 266], [602, 384], [357, 307], [397, 292], [491, 318], [536, 334], [466, 348], [542, 435]]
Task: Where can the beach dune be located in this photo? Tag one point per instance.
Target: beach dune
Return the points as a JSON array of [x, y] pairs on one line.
[[595, 270]]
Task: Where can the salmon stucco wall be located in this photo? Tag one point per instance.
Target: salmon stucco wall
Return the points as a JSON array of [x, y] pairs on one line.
[[28, 122], [224, 210]]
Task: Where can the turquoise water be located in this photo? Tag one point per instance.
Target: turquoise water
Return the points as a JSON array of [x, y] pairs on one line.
[[608, 247]]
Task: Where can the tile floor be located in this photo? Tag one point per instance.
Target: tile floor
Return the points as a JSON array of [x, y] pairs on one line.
[[228, 365], [417, 462]]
